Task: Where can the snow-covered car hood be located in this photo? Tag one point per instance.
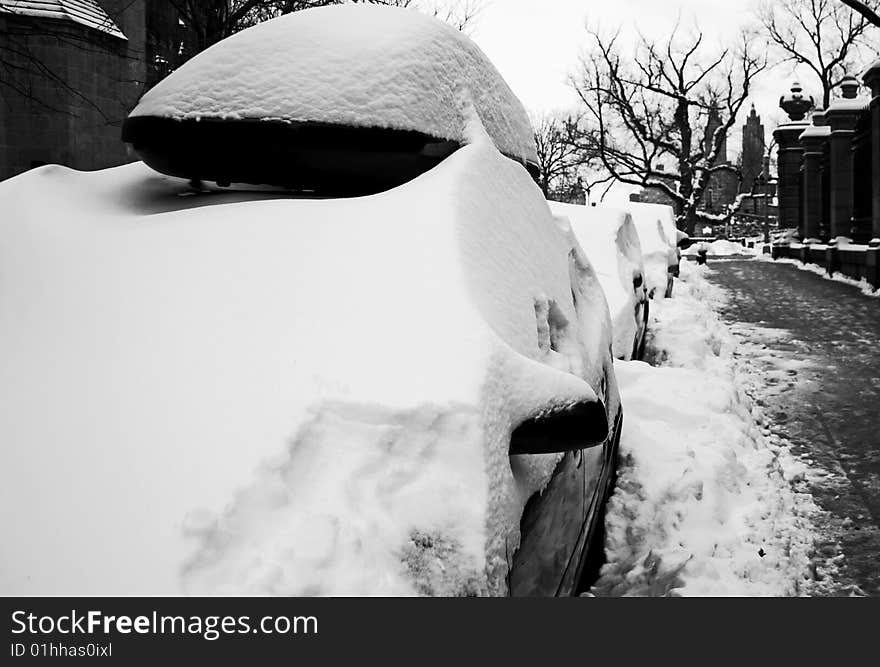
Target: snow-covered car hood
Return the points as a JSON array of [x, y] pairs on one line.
[[611, 242], [357, 65], [217, 393]]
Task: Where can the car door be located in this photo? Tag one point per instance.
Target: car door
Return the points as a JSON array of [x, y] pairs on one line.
[[550, 529]]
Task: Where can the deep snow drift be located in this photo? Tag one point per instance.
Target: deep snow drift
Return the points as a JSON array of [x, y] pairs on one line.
[[706, 503], [358, 65]]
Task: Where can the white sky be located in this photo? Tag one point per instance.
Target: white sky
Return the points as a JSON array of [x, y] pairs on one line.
[[535, 43]]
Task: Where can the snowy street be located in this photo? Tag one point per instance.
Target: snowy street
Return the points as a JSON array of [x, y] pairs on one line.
[[733, 479]]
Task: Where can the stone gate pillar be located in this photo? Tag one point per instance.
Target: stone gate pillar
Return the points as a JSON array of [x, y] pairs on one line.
[[790, 156], [813, 141], [842, 115], [871, 79]]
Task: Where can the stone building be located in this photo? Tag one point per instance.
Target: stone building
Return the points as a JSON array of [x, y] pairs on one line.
[[753, 146], [654, 195], [73, 70], [723, 184]]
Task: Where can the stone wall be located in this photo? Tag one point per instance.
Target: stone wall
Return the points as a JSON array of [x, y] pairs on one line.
[[829, 183], [71, 87]]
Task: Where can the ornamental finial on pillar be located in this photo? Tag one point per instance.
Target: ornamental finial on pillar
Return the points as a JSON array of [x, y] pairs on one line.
[[795, 104], [849, 87]]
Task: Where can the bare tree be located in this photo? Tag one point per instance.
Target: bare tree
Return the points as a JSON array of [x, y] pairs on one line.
[[867, 10], [648, 105], [460, 14], [822, 35], [559, 158]]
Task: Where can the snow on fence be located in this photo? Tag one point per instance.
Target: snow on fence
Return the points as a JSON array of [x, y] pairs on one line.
[[855, 261], [829, 176]]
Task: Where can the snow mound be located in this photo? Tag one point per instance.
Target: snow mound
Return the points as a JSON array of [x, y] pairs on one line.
[[719, 248], [611, 242], [244, 393], [705, 503], [357, 65]]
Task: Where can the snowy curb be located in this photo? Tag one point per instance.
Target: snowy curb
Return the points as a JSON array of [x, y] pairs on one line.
[[862, 284], [707, 501]]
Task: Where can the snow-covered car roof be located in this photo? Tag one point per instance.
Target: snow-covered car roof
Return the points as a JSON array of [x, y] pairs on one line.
[[611, 242], [233, 393], [353, 65]]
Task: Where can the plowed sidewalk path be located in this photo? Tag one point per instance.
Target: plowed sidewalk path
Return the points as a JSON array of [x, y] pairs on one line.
[[814, 345]]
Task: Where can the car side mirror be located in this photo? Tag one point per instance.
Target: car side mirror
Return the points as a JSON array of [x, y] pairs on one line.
[[582, 425]]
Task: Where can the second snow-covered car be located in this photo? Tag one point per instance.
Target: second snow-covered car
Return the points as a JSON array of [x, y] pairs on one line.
[[211, 390], [659, 239], [611, 242]]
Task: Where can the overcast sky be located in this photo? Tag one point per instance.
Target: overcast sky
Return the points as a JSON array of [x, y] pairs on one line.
[[535, 43]]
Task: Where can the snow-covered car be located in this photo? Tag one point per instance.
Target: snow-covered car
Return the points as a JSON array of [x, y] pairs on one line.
[[611, 243], [212, 390], [333, 116], [659, 239]]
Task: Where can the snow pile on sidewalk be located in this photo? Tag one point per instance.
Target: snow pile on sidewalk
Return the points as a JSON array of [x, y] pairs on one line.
[[705, 503], [719, 248]]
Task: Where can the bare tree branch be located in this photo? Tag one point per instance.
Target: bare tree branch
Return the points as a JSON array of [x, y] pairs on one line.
[[559, 159], [648, 107], [821, 35], [864, 10]]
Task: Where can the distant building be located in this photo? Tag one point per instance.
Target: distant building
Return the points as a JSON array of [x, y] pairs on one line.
[[723, 184], [569, 192], [753, 147], [758, 205], [74, 69], [656, 195]]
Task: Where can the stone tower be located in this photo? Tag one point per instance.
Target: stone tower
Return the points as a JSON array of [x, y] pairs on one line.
[[721, 189], [712, 124], [753, 144]]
